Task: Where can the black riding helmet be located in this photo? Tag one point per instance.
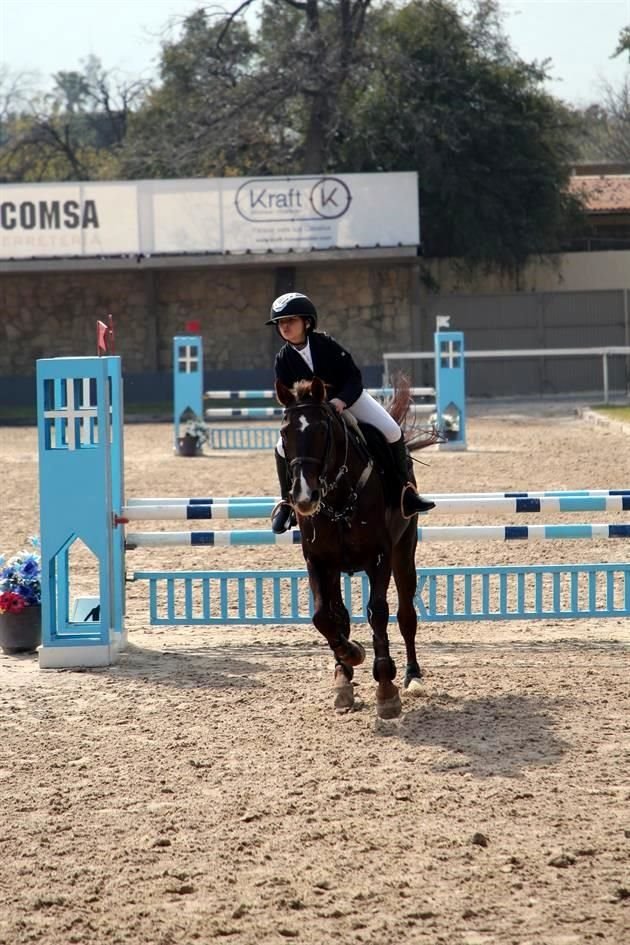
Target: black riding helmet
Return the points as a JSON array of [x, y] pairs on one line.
[[293, 303]]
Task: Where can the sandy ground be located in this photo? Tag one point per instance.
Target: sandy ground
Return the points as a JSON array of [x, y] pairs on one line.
[[203, 789]]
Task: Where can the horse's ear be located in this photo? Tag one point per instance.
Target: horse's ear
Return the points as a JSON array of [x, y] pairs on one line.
[[318, 390], [284, 395]]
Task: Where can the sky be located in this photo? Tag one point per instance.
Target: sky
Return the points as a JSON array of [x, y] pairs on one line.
[[46, 36]]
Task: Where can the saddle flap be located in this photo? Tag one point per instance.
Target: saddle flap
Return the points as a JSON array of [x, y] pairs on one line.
[[377, 447]]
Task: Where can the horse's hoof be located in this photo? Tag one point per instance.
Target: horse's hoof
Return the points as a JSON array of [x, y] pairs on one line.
[[358, 655], [344, 691], [344, 698], [414, 686], [389, 708]]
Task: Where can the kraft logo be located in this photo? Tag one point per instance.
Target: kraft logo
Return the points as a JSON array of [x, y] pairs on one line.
[[292, 199]]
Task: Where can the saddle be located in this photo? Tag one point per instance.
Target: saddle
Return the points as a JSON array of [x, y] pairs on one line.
[[373, 445]]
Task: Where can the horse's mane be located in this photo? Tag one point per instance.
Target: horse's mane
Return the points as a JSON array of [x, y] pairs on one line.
[[398, 406], [302, 390]]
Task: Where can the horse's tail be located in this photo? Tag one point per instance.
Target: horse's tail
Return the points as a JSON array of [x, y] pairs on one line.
[[399, 407]]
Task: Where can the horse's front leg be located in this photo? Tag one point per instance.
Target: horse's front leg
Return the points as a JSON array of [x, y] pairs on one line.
[[388, 704], [331, 618]]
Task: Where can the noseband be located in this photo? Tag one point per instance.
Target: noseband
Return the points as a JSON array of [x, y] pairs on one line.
[[326, 486]]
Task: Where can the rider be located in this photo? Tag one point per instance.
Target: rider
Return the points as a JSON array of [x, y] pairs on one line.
[[307, 353]]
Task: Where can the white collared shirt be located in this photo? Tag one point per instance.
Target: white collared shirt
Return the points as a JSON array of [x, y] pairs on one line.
[[306, 353]]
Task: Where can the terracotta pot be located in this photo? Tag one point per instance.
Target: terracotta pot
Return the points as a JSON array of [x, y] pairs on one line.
[[187, 445], [21, 633]]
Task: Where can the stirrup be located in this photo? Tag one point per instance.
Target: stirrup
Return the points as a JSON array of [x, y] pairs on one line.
[[421, 505], [282, 517]]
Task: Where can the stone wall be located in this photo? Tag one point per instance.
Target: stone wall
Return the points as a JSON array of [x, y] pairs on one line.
[[367, 307]]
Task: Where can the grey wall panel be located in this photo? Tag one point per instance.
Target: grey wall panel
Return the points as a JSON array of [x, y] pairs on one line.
[[538, 320]]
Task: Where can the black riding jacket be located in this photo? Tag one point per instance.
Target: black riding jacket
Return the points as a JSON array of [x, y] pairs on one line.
[[332, 363]]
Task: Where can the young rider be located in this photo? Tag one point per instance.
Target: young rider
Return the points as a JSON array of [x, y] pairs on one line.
[[308, 353]]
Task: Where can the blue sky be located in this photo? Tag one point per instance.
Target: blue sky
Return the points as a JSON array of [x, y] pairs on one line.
[[45, 36]]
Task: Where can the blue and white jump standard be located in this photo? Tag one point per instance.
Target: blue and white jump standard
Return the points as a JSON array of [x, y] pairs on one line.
[[80, 428], [81, 481], [187, 379]]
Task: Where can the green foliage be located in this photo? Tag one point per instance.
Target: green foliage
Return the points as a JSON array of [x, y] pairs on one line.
[[208, 117], [451, 100], [624, 43]]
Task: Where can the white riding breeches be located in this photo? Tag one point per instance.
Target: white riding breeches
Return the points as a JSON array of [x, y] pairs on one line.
[[368, 410]]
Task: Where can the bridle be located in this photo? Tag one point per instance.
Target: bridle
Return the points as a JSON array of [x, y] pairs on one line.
[[326, 486]]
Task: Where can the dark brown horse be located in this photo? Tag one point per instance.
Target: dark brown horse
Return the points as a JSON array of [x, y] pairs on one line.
[[349, 523]]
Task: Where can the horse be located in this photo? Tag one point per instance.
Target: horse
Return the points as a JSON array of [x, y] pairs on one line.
[[350, 520]]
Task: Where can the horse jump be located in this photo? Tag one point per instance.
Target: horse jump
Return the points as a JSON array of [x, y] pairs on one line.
[[188, 394], [82, 497]]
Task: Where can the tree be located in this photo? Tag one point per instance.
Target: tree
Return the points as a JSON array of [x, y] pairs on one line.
[[623, 44], [72, 133], [616, 105], [236, 103], [451, 100]]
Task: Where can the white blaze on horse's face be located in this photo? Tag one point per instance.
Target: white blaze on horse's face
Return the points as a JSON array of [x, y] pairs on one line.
[[302, 494]]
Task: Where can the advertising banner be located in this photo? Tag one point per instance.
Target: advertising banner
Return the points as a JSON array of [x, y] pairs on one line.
[[331, 212], [228, 215], [47, 220]]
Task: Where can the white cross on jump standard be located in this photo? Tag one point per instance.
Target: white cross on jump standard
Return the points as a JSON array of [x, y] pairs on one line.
[[450, 353], [72, 412], [187, 361]]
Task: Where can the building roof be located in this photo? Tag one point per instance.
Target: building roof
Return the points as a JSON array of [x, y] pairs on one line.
[[603, 194]]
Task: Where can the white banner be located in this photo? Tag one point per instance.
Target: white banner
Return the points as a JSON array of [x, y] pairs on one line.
[[43, 220], [229, 215]]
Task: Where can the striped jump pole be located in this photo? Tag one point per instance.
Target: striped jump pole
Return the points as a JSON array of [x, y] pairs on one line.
[[433, 533], [236, 499], [271, 394], [260, 509], [253, 413]]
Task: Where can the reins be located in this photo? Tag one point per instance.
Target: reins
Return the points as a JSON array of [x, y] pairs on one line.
[[346, 513]]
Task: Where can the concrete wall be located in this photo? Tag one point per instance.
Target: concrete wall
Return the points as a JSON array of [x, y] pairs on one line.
[[571, 272], [48, 314], [372, 306]]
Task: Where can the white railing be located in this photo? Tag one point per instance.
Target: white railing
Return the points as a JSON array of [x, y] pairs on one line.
[[604, 353]]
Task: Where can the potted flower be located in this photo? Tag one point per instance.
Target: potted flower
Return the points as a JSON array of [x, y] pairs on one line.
[[195, 435], [20, 601], [448, 424]]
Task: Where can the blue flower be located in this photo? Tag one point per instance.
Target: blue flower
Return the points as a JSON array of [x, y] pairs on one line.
[[21, 575]]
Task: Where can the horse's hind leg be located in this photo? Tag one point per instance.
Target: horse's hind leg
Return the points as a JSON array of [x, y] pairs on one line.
[[388, 704], [404, 567]]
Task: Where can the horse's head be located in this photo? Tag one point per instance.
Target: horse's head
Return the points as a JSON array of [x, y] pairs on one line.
[[308, 434]]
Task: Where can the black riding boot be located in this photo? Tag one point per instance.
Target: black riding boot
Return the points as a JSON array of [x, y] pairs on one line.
[[283, 515], [410, 502]]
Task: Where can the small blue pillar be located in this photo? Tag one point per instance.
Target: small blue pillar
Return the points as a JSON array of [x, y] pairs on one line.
[[450, 388], [79, 408], [187, 379]]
